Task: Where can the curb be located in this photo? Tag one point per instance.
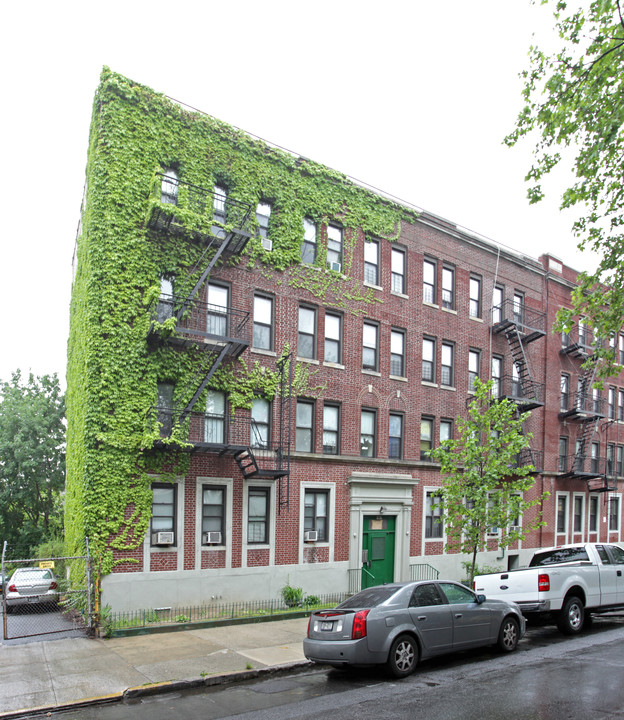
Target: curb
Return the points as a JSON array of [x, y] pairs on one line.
[[161, 688]]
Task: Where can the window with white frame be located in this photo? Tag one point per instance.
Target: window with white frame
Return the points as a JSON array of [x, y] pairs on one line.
[[306, 343], [497, 376], [214, 419], [316, 513], [397, 353], [619, 460], [368, 433], [620, 413], [474, 309], [565, 391], [169, 187], [595, 457], [370, 346], [164, 309], [474, 364], [258, 508], [497, 304], [446, 430], [219, 205], [518, 308], [164, 502], [562, 514], [447, 371], [621, 349], [577, 518], [397, 262], [434, 525], [333, 338], [563, 454], [165, 408], [308, 247], [263, 215], [430, 268], [428, 359], [218, 300], [395, 436], [260, 423], [426, 437], [263, 322], [448, 287], [213, 515], [331, 427], [614, 514], [334, 248], [371, 262], [593, 513], [611, 403], [304, 434]]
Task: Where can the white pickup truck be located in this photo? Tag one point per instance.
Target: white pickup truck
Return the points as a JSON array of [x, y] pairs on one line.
[[566, 583]]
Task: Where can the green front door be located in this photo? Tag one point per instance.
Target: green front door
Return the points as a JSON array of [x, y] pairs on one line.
[[378, 550]]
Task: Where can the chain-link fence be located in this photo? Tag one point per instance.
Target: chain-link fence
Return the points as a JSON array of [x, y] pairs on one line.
[[41, 596]]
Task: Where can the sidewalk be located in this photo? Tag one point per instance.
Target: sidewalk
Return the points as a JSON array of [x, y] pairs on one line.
[[59, 673]]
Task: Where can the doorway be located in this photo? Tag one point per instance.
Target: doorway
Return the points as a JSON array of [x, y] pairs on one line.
[[378, 550]]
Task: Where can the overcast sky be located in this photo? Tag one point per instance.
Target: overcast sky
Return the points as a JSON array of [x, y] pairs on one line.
[[411, 97]]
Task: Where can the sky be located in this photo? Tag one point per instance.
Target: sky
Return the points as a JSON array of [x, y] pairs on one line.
[[411, 97]]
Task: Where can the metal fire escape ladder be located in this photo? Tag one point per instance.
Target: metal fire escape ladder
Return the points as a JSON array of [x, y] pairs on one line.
[[521, 362]]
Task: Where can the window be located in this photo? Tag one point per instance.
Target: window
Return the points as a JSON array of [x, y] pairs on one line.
[[214, 420], [263, 215], [370, 346], [595, 457], [516, 381], [258, 503], [562, 514], [334, 248], [563, 454], [216, 313], [620, 404], [621, 349], [397, 261], [448, 288], [610, 458], [260, 423], [582, 332], [315, 513], [333, 338], [395, 436], [428, 359], [169, 187], [368, 433], [578, 514], [371, 262], [446, 430], [565, 391], [447, 374], [497, 374], [593, 514], [596, 400], [165, 408], [305, 424], [397, 353], [429, 281], [497, 305], [619, 460], [164, 496], [434, 527], [331, 425], [306, 346], [474, 362], [474, 309], [164, 309], [614, 514], [213, 513], [263, 322], [518, 308], [611, 403], [308, 248], [219, 207], [426, 437]]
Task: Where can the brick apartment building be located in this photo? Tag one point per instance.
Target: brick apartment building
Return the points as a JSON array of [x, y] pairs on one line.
[[204, 258]]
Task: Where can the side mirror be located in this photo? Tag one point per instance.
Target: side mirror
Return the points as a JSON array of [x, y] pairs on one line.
[[480, 599]]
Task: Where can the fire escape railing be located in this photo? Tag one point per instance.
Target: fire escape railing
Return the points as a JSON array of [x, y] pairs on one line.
[[528, 321], [527, 394]]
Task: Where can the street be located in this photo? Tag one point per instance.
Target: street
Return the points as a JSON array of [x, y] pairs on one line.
[[550, 676]]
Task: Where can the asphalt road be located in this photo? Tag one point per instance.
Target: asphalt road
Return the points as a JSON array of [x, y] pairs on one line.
[[35, 623], [549, 677]]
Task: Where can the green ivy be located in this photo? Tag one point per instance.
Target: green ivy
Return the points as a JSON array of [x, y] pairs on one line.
[[112, 371]]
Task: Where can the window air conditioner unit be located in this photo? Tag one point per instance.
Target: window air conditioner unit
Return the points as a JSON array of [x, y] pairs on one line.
[[310, 536], [162, 538], [212, 538], [335, 266], [267, 243]]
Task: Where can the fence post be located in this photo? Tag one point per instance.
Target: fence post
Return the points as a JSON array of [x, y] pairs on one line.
[[4, 592], [89, 606]]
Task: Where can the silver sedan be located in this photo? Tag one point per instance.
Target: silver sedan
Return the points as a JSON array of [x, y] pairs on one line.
[[399, 624], [31, 586]]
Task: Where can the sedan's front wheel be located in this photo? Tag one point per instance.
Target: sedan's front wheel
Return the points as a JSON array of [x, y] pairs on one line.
[[403, 656], [508, 635]]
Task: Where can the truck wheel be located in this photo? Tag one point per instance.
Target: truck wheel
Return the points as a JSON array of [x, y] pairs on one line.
[[570, 619], [403, 656], [508, 635]]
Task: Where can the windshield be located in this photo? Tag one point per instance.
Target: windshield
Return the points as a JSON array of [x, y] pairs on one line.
[[559, 555], [370, 598]]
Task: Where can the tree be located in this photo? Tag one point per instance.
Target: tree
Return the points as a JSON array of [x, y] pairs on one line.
[[483, 482], [575, 103], [32, 461]]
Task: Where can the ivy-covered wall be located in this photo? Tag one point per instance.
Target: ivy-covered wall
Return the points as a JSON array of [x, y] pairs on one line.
[[112, 372]]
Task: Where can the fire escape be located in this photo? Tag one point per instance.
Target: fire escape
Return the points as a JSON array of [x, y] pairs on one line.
[[521, 326], [586, 408], [222, 227]]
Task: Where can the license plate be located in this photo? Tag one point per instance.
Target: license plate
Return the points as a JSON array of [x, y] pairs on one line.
[[34, 599], [327, 625]]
